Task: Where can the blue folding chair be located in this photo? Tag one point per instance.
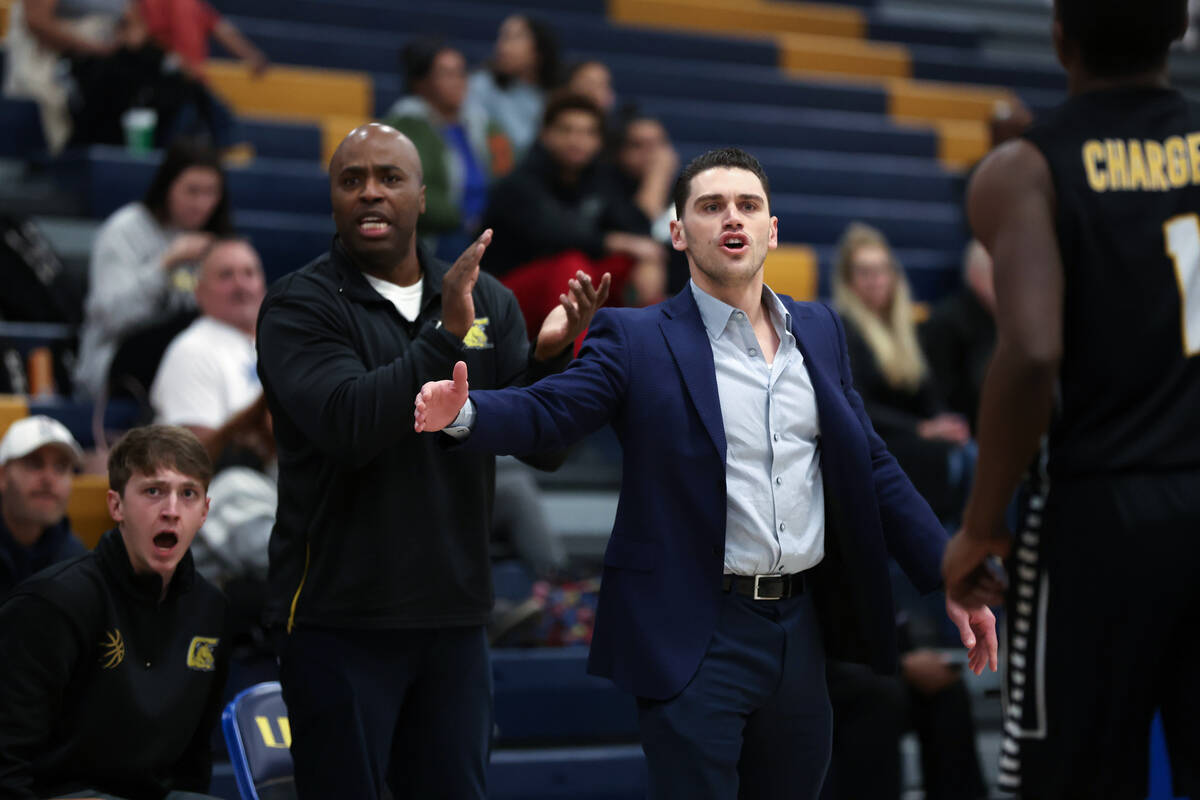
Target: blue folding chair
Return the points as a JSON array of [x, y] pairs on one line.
[[258, 736]]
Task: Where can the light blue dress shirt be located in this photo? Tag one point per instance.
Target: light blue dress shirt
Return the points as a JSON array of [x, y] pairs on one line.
[[775, 504]]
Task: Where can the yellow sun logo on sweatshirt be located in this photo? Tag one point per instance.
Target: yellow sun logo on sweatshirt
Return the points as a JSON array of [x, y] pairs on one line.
[[112, 649]]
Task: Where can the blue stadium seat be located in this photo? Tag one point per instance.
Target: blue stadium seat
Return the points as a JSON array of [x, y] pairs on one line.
[[22, 126], [545, 695], [107, 178], [794, 171], [258, 737], [578, 773]]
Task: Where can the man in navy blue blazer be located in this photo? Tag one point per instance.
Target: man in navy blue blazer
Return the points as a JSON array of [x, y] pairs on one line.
[[758, 507]]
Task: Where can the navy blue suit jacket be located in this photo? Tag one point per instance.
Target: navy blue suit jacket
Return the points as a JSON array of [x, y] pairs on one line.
[[649, 372]]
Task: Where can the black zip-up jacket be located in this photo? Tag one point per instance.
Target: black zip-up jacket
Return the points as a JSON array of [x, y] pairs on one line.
[[57, 543], [102, 686], [378, 526], [536, 215]]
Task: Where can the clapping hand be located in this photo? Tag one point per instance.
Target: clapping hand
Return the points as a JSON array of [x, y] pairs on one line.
[[572, 315]]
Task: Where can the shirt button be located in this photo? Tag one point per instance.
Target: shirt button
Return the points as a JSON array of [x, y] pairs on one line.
[[752, 351], [147, 665], [782, 526], [775, 436], [779, 481]]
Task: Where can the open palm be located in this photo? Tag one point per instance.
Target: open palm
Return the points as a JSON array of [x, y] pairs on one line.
[[438, 402]]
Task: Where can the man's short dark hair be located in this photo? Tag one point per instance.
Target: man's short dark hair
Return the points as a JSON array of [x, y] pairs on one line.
[[562, 102], [417, 58], [150, 448], [1117, 38], [733, 157]]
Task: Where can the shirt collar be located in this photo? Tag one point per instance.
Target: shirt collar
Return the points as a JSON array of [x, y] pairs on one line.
[[716, 313]]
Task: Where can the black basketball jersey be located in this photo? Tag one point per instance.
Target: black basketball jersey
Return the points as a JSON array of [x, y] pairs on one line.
[[1126, 170]]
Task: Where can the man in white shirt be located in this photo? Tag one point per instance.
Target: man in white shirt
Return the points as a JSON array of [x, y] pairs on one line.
[[208, 373]]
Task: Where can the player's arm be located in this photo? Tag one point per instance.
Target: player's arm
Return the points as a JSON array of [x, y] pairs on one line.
[[1011, 204]]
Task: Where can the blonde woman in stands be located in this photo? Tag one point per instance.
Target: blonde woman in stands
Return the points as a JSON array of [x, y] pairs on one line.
[[872, 294], [144, 256], [511, 90]]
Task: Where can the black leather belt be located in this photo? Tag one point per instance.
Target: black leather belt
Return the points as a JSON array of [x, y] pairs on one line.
[[765, 587]]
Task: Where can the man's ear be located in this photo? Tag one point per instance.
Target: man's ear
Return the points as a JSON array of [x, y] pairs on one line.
[[422, 202], [114, 506], [678, 235], [773, 236]]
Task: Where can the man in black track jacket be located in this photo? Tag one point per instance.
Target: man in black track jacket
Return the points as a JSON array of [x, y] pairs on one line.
[[379, 574], [114, 662]]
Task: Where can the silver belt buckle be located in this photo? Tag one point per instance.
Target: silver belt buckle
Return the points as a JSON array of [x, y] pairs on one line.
[[758, 578]]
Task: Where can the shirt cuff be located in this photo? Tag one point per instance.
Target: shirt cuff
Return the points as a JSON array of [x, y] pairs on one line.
[[463, 423]]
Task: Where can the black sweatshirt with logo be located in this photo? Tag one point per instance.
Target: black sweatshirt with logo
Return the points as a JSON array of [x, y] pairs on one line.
[[379, 526], [104, 687]]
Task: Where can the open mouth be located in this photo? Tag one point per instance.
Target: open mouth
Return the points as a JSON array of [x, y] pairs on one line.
[[165, 542], [373, 227], [734, 243]]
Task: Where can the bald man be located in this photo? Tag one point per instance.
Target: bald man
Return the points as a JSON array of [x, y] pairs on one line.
[[379, 575]]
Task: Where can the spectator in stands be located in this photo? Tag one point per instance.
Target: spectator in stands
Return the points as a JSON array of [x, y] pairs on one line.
[[647, 164], [452, 140], [593, 80], [511, 90], [380, 579], [890, 372], [41, 33], [183, 27], [143, 259], [114, 663], [37, 457], [960, 335], [563, 211], [208, 372]]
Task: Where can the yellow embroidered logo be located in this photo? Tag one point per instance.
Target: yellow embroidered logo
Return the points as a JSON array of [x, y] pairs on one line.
[[112, 649], [477, 338], [200, 653]]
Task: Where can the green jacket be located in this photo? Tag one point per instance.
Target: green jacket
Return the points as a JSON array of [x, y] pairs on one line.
[[412, 116]]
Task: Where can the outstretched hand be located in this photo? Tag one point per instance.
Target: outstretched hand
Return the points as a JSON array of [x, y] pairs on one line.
[[977, 628], [458, 305], [572, 315], [438, 402]]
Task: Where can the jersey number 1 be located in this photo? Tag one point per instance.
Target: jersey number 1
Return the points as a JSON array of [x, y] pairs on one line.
[[1183, 245]]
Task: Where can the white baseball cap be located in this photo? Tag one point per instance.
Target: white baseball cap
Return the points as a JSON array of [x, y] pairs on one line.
[[28, 434]]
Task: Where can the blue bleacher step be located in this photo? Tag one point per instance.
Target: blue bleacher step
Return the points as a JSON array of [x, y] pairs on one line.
[[545, 695], [568, 773]]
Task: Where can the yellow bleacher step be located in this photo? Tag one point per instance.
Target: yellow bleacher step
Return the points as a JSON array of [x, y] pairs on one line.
[[740, 16], [791, 269], [938, 100], [12, 408], [840, 55], [88, 508], [959, 114], [293, 92]]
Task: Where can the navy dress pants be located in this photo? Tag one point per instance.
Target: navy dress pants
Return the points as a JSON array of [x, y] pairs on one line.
[[755, 720], [409, 710]]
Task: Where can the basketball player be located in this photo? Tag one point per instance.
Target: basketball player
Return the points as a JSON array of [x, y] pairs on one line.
[[1093, 219]]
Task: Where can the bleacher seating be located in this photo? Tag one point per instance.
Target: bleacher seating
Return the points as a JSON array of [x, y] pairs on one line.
[[859, 109]]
